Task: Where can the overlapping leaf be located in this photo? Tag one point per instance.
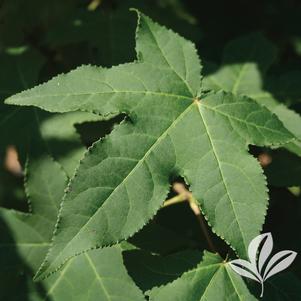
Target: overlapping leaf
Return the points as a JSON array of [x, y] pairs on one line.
[[211, 280], [26, 238], [117, 27], [243, 72], [171, 131], [19, 70], [18, 126], [95, 275], [185, 276]]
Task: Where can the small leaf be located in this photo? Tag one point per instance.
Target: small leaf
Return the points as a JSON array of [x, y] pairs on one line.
[[285, 257]]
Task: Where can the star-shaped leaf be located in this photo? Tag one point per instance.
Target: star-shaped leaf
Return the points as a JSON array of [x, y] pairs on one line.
[[172, 130]]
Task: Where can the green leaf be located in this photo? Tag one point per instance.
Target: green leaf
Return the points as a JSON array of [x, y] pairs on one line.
[[117, 27], [18, 126], [124, 178], [105, 277], [120, 88], [290, 119], [64, 143], [20, 69], [114, 43], [212, 280], [95, 275], [26, 236], [243, 72], [243, 62]]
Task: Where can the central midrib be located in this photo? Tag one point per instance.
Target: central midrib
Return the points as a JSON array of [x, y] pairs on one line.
[[160, 138], [220, 170], [100, 93]]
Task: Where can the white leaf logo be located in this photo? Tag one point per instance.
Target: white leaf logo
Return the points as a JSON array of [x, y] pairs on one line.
[[259, 250]]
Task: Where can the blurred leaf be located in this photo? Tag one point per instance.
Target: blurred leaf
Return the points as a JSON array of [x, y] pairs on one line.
[[243, 61], [20, 17], [18, 72], [18, 127], [110, 36], [243, 72], [108, 33], [26, 237]]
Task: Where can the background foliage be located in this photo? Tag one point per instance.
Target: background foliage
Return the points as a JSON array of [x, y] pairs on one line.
[[40, 39]]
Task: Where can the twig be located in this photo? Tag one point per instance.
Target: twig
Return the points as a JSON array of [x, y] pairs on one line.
[[195, 208], [177, 199], [186, 196]]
